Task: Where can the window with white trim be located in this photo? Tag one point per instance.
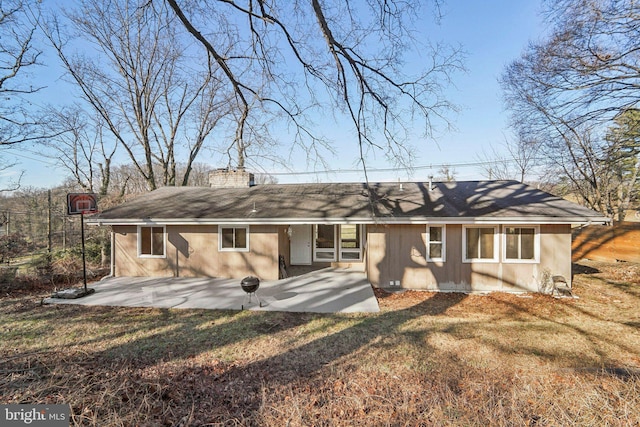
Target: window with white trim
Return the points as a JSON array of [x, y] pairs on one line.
[[233, 238], [350, 242], [333, 242], [521, 244], [324, 242], [436, 248], [151, 241], [479, 244]]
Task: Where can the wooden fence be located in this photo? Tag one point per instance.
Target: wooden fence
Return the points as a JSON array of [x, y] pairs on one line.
[[620, 242]]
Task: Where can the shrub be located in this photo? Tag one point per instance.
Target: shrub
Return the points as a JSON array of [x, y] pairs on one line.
[[12, 246]]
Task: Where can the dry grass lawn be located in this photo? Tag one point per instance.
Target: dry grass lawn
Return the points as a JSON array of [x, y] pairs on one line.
[[425, 359]]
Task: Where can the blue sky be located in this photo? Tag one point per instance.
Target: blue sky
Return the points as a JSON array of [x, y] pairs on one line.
[[491, 32], [494, 33]]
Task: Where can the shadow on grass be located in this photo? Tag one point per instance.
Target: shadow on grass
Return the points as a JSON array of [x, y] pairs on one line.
[[178, 335], [227, 389], [582, 269], [624, 373], [240, 387], [630, 289]]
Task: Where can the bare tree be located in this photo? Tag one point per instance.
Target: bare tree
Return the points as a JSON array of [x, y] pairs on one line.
[[565, 91], [199, 175], [153, 97], [265, 178], [623, 161], [515, 159], [301, 58], [81, 147], [446, 174], [588, 68], [125, 180], [17, 56], [496, 164], [13, 183]]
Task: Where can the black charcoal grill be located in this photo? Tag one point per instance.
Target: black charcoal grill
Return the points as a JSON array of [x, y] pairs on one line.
[[250, 285]]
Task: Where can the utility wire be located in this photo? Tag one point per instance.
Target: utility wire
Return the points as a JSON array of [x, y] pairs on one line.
[[402, 168], [32, 158]]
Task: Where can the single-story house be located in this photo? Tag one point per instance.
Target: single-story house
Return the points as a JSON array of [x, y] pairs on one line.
[[450, 236]]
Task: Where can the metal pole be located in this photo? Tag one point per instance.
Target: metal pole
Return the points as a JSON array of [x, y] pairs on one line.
[[49, 231], [84, 262]]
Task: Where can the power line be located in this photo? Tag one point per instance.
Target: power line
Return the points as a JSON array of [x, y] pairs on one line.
[[32, 158], [404, 168], [343, 171]]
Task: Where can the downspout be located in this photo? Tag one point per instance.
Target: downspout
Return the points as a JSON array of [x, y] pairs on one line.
[[113, 253]]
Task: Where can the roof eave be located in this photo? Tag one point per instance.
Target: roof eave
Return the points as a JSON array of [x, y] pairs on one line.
[[581, 220]]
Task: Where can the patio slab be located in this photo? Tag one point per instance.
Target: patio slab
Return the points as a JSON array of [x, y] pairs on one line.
[[330, 290]]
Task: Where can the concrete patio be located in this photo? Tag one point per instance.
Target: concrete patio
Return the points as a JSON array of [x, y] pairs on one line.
[[329, 290]]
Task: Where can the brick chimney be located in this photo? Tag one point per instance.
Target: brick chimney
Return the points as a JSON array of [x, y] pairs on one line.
[[231, 178]]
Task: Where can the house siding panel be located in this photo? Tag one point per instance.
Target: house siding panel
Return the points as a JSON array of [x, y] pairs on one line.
[[192, 251], [398, 253], [127, 262], [283, 244], [394, 253], [555, 245], [260, 261]]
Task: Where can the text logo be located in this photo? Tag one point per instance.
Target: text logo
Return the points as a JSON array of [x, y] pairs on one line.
[[34, 415]]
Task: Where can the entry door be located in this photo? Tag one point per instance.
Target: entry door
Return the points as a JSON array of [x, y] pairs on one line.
[[300, 245]]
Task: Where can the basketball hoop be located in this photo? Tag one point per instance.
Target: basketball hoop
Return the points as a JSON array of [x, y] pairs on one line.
[[81, 204]]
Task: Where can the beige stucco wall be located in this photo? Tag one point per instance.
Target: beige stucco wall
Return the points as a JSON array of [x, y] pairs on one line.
[[192, 251], [397, 253], [394, 253]]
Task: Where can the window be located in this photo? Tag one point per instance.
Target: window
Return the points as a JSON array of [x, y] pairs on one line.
[[324, 242], [331, 240], [520, 244], [350, 242], [435, 243], [233, 238], [480, 244], [151, 242]]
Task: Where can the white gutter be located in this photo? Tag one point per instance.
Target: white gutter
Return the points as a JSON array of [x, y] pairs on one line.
[[363, 220]]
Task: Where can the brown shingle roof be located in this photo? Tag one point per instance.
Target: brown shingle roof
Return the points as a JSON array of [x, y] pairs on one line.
[[464, 201]]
